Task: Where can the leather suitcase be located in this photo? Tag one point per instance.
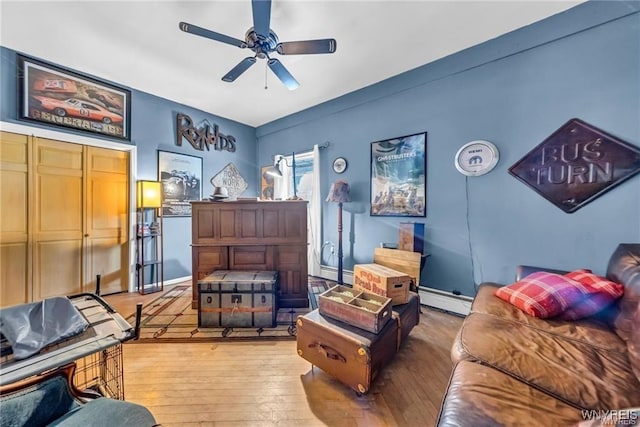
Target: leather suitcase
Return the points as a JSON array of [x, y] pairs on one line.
[[349, 354]]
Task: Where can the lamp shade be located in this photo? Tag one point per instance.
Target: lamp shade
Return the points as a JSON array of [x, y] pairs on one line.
[[339, 192], [275, 169], [149, 194]]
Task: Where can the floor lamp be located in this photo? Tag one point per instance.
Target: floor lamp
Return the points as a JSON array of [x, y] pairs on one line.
[[339, 193]]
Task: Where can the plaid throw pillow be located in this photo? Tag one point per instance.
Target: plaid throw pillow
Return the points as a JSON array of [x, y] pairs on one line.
[[598, 294], [542, 294]]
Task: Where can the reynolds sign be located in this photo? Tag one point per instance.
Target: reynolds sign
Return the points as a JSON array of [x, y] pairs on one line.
[[205, 136]]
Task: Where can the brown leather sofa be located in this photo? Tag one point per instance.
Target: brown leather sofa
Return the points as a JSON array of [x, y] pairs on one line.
[[512, 369]]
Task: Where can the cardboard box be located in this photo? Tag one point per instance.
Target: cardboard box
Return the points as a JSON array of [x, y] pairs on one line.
[[382, 281], [358, 308]]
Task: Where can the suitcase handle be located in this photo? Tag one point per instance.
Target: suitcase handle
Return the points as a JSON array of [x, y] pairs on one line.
[[328, 352]]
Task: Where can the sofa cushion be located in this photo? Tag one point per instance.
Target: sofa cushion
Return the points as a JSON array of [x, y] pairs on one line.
[[481, 396], [591, 330], [634, 345], [599, 293], [624, 267], [542, 294], [580, 374]]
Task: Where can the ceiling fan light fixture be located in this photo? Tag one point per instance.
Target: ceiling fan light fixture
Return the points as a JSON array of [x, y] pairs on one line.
[[263, 41]]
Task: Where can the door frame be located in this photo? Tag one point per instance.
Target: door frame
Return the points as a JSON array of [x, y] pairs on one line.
[[95, 142]]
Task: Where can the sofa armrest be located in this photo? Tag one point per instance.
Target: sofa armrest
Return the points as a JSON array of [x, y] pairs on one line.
[[523, 271]]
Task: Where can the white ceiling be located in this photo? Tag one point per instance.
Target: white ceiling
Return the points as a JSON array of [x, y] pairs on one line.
[[138, 44]]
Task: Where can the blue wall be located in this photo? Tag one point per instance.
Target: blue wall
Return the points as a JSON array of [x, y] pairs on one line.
[[153, 127], [513, 91]]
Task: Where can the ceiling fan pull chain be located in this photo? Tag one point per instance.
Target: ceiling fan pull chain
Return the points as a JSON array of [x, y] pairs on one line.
[[265, 75]]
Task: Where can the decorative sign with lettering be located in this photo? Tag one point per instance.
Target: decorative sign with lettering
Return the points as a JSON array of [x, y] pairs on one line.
[[576, 164], [205, 136], [229, 177]]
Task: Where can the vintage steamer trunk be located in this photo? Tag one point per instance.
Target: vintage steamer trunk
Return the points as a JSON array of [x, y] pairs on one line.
[[240, 299], [354, 356]]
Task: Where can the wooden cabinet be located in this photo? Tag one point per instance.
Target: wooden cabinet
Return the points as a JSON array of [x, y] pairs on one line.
[[253, 235]]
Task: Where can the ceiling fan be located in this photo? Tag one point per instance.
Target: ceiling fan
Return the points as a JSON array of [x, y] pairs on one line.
[[263, 41]]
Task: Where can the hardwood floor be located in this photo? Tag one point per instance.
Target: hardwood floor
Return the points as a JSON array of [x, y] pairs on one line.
[[268, 384]]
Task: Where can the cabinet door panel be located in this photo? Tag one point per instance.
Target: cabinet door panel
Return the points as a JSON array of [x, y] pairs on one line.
[[59, 268], [227, 224], [249, 223], [270, 223], [295, 225], [14, 254], [13, 274], [58, 218], [291, 262], [251, 258], [205, 232], [106, 220]]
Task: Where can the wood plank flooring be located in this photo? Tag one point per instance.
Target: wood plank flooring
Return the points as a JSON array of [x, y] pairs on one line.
[[268, 384]]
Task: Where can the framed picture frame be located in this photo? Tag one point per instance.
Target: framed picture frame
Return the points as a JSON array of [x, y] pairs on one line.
[[399, 176], [181, 178], [58, 97]]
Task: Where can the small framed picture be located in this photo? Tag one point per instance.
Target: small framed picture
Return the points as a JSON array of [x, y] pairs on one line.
[[340, 165], [181, 177]]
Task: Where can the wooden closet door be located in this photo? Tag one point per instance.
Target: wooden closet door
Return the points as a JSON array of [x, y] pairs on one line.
[[58, 218], [107, 222], [14, 245]]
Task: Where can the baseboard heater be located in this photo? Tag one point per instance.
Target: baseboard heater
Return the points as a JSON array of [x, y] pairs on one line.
[[459, 304]]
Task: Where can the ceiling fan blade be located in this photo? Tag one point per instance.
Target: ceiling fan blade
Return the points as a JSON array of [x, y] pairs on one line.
[[285, 76], [239, 69], [307, 47], [203, 32], [261, 17]]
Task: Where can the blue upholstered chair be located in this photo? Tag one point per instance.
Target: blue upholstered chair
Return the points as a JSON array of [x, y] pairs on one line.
[[51, 399]]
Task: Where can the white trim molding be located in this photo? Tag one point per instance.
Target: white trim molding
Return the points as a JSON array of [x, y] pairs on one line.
[[331, 273], [431, 297]]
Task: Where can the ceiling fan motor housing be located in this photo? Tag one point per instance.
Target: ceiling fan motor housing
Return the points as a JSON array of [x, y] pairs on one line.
[[261, 46]]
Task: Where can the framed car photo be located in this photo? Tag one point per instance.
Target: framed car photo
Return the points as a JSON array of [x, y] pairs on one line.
[[63, 98]]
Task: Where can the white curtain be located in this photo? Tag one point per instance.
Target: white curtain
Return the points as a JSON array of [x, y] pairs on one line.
[[308, 189], [283, 187], [314, 210]]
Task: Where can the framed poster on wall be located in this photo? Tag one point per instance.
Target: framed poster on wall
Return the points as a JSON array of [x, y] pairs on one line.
[[181, 178], [59, 97], [399, 176]]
